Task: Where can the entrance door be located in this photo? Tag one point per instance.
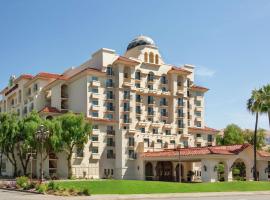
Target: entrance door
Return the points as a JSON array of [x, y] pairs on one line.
[[165, 171]]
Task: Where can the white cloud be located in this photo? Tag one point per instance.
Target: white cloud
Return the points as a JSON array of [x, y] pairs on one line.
[[204, 71]]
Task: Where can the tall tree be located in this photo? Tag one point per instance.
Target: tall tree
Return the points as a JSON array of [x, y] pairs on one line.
[[10, 131], [27, 139], [255, 106], [75, 131], [265, 92], [232, 135], [249, 137]]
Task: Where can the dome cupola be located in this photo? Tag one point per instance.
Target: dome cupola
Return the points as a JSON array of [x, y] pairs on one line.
[[140, 40]]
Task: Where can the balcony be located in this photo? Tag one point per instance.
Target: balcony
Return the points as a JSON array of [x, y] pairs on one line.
[[199, 140], [95, 156], [95, 132], [167, 126], [131, 132], [95, 143], [142, 123], [95, 95], [171, 146], [127, 82], [95, 83], [199, 98], [185, 135], [156, 124], [180, 115], [95, 107], [199, 109], [157, 145]]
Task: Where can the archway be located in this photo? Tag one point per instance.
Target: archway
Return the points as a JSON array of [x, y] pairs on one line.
[[164, 171], [177, 172], [149, 171], [239, 170], [221, 171]]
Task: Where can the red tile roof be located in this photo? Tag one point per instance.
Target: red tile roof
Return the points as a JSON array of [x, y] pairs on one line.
[[127, 60], [47, 75], [101, 120], [48, 109], [180, 69], [205, 130], [196, 87], [264, 153], [195, 151]]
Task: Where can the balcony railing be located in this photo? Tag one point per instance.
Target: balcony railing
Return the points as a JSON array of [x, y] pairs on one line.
[[110, 132]]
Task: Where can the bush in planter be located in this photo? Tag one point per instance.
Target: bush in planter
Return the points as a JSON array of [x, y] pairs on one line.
[[86, 192], [23, 182], [42, 188]]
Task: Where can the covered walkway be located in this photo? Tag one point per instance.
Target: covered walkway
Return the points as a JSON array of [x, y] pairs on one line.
[[202, 164]]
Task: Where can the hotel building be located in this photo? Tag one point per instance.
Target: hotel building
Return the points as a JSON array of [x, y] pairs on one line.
[[146, 116]]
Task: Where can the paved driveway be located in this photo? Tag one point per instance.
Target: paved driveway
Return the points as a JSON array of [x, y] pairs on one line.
[[11, 195]]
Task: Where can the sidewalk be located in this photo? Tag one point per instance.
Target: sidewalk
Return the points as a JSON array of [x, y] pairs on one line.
[[176, 195]]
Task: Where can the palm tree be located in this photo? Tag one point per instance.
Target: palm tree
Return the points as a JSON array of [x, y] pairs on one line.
[[255, 106], [265, 90]]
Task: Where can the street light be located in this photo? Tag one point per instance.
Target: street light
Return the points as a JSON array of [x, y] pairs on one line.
[[42, 134]]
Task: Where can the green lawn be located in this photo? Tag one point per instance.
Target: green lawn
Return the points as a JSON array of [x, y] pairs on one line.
[[147, 187]]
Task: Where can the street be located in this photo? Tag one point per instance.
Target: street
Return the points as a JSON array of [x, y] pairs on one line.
[[12, 195]]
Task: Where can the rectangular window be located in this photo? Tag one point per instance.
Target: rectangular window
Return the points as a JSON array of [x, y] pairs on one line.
[[109, 83], [138, 109], [142, 130], [198, 124], [137, 85], [95, 138], [110, 154], [94, 78], [155, 131], [95, 127], [109, 95], [94, 90], [95, 150], [210, 138], [138, 98], [131, 142], [35, 87], [109, 71], [95, 102], [110, 142], [126, 94], [180, 112], [131, 154], [109, 116], [94, 114], [180, 102], [109, 106], [150, 87], [163, 112], [146, 141], [180, 123], [150, 111], [172, 141], [126, 118], [168, 132], [126, 107], [198, 135], [137, 75]]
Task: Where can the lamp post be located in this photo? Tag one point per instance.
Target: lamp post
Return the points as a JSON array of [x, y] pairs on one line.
[[42, 135]]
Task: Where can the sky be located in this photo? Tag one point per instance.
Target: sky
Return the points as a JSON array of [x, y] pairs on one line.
[[228, 42]]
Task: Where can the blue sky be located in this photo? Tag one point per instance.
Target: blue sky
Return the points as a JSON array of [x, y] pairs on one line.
[[228, 41]]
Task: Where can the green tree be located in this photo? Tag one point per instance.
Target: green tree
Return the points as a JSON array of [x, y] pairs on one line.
[[265, 92], [232, 135], [75, 131], [27, 139], [10, 133], [255, 105], [249, 137]]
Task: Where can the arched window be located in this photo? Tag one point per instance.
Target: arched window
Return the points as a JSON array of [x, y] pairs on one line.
[[156, 59], [145, 57], [151, 57]]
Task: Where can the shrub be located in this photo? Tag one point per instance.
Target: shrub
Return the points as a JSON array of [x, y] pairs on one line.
[[42, 188], [23, 182], [52, 186], [86, 192]]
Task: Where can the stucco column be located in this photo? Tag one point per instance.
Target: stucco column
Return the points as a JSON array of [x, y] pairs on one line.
[[174, 170], [209, 174], [228, 171], [263, 170], [154, 163], [249, 172]]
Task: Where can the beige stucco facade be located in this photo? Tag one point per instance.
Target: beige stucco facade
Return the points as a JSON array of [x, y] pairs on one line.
[[136, 102]]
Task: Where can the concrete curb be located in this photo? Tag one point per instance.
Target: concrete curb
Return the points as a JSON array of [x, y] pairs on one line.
[[17, 190], [176, 195]]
